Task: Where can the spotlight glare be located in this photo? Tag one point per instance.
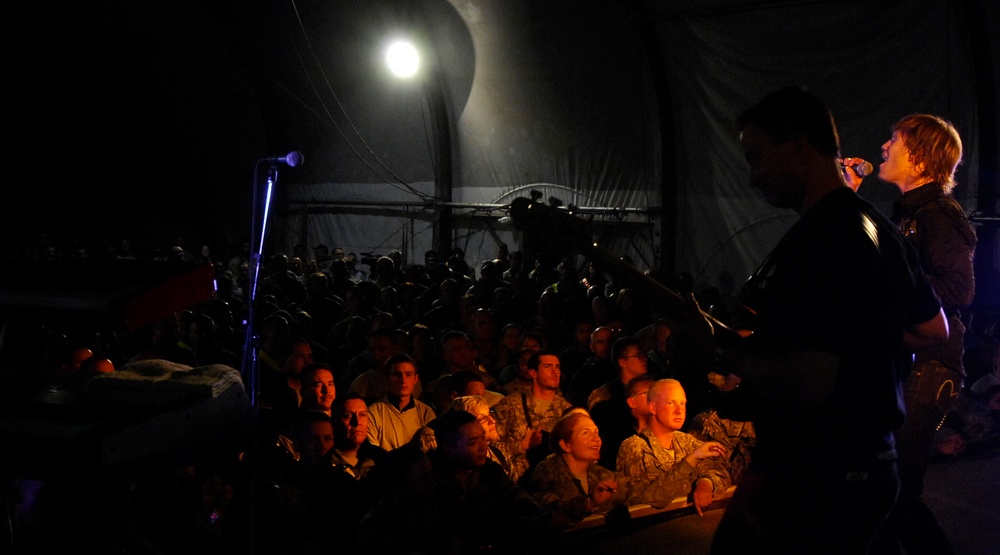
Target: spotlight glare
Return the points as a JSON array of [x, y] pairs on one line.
[[403, 59]]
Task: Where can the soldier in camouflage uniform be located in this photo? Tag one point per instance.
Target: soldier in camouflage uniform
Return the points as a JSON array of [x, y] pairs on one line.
[[524, 420], [663, 463], [571, 482]]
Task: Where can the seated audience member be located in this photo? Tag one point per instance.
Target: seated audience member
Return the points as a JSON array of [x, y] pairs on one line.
[[298, 355], [459, 354], [367, 373], [515, 378], [525, 419], [481, 506], [508, 345], [394, 419], [630, 361], [478, 407], [570, 482], [352, 452], [622, 418], [307, 506], [356, 457], [576, 354], [738, 438], [661, 353], [596, 370], [317, 387], [608, 403], [663, 463]]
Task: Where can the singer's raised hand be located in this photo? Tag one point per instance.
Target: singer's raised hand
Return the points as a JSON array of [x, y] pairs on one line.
[[854, 171]]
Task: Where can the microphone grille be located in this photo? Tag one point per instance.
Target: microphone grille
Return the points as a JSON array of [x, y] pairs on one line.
[[295, 159]]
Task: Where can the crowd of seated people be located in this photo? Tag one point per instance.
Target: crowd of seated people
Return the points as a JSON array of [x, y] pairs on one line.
[[439, 409], [360, 381]]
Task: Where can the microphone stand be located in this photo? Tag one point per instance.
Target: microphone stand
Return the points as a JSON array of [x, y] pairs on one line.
[[250, 362]]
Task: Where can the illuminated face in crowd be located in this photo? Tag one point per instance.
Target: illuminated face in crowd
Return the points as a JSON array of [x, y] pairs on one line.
[[470, 449], [402, 379], [548, 372], [585, 442], [352, 422], [320, 391], [668, 404]]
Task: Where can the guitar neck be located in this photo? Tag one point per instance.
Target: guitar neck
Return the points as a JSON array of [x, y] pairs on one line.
[[566, 232]]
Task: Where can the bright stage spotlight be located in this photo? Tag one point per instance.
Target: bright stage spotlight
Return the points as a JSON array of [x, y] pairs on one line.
[[403, 59]]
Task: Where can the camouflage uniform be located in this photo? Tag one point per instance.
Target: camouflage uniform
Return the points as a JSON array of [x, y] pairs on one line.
[[737, 437], [659, 475], [512, 425], [552, 484]]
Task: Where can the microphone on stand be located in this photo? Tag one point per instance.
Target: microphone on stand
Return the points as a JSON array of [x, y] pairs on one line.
[[864, 169], [293, 159]]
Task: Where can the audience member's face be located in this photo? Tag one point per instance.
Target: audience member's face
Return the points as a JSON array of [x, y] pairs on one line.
[[352, 422], [633, 361], [639, 402], [669, 407], [470, 448], [316, 441], [585, 442], [548, 371], [320, 391], [511, 338], [600, 342], [300, 356], [581, 334], [382, 348], [459, 353], [483, 325], [530, 342], [402, 379]]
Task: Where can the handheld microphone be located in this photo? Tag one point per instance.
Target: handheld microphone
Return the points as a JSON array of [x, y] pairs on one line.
[[864, 169], [293, 159]]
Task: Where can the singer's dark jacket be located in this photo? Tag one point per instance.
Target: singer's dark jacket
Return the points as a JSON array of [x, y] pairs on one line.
[[937, 227]]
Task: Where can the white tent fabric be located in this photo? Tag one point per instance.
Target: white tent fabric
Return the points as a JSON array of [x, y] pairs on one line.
[[578, 103]]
